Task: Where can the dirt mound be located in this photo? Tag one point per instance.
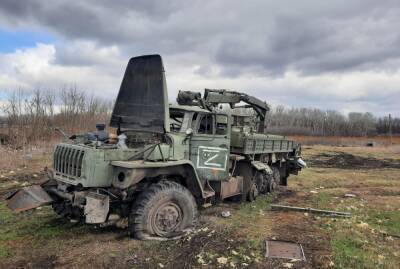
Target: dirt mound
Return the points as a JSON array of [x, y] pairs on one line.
[[348, 161]]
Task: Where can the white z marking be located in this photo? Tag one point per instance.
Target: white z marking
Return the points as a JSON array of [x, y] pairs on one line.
[[210, 154], [208, 161]]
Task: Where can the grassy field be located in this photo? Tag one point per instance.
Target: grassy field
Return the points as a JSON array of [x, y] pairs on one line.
[[369, 239]]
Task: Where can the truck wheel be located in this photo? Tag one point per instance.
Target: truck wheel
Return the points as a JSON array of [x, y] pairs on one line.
[[166, 209], [261, 181], [275, 179], [253, 193]]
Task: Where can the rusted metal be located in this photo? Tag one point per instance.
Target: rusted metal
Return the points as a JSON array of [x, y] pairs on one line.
[[97, 207], [232, 187], [284, 250], [311, 210], [28, 198]]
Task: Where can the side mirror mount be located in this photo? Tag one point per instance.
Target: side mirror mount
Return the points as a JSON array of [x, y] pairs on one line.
[[189, 131]]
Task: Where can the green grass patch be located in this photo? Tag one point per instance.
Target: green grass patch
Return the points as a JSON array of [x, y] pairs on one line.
[[388, 221], [4, 251], [321, 200], [349, 252], [37, 227], [249, 212]]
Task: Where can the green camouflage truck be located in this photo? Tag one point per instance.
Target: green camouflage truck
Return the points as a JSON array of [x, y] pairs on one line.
[[167, 161]]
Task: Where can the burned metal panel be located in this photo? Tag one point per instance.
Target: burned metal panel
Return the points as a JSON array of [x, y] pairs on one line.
[[96, 208], [284, 250], [142, 102], [232, 187], [28, 198]]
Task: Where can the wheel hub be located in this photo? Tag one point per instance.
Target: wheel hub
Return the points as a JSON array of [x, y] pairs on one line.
[[167, 219]]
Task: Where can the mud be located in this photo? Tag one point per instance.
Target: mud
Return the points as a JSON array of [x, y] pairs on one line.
[[343, 160]]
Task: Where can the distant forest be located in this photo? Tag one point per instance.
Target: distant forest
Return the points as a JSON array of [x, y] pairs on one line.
[[32, 117], [312, 121]]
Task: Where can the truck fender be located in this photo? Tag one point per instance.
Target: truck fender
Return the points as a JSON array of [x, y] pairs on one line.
[[129, 173], [260, 166]]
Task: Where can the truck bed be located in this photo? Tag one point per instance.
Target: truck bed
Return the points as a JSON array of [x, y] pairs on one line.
[[251, 145]]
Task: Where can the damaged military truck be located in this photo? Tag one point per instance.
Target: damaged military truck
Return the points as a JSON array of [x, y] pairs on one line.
[[165, 160]]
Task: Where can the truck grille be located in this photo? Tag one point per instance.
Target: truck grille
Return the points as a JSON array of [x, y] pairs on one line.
[[68, 161]]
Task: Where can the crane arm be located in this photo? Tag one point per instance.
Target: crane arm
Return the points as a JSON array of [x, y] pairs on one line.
[[213, 97]]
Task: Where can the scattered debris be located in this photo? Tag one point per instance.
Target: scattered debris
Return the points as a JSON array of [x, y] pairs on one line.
[[389, 237], [370, 144], [284, 250], [363, 225], [234, 252], [222, 260], [200, 259], [350, 195], [28, 156], [226, 214], [287, 265], [311, 210], [313, 192]]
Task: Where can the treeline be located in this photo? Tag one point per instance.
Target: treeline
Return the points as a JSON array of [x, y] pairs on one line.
[[34, 116], [312, 121]]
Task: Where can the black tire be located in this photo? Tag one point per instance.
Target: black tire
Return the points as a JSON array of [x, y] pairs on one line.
[[165, 210]]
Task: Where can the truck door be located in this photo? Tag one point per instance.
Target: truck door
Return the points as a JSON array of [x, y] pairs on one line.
[[209, 145]]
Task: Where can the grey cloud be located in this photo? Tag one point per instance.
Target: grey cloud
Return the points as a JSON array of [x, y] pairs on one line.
[[264, 37], [252, 38]]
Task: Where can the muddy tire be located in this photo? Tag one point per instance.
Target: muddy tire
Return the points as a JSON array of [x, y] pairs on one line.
[[274, 180], [261, 181], [165, 210], [253, 193]]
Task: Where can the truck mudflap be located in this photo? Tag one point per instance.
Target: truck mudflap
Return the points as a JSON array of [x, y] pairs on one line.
[[28, 198], [301, 163]]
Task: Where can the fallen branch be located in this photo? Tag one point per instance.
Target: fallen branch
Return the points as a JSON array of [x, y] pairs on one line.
[[311, 210]]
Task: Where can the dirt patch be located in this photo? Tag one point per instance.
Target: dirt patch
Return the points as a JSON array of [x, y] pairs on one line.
[[294, 227], [344, 160], [38, 262]]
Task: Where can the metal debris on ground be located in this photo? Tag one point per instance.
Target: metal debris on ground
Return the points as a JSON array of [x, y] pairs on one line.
[[350, 195], [226, 214], [311, 210], [284, 250], [28, 198]]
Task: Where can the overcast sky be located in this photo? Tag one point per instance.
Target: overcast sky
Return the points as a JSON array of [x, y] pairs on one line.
[[342, 55]]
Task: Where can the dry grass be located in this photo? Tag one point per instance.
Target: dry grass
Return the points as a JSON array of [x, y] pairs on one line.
[[42, 240], [345, 140]]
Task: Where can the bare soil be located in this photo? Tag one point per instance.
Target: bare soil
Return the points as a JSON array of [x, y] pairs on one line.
[[345, 160]]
